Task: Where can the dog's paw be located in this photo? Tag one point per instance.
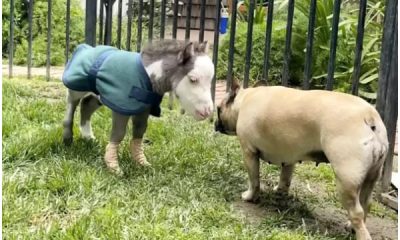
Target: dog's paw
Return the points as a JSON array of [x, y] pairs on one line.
[[349, 227], [249, 196], [282, 190]]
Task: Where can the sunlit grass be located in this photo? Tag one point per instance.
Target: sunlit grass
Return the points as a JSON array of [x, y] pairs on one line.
[[55, 192]]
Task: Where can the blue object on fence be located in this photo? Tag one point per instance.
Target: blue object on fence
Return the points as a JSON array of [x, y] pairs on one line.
[[223, 25]]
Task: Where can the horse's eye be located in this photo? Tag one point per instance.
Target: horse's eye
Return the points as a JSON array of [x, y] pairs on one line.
[[193, 80]]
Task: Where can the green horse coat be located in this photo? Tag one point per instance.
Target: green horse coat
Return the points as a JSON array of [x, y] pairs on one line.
[[117, 76]]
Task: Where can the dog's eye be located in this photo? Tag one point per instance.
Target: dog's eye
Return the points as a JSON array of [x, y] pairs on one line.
[[193, 80]]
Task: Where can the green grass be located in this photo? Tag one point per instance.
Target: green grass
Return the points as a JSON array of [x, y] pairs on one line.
[[192, 190]]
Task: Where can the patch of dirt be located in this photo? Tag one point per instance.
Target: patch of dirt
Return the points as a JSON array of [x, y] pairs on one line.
[[314, 215]]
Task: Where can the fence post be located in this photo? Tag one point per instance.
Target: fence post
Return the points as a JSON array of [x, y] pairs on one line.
[[11, 46], [386, 52], [288, 41], [108, 28], [390, 115], [333, 45], [90, 22], [48, 57]]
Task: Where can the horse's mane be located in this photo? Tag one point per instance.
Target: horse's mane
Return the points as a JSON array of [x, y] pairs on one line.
[[167, 47]]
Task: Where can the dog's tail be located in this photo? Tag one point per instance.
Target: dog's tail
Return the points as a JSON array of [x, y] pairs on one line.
[[380, 139]]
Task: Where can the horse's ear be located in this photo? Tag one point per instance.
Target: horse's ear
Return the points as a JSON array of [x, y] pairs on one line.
[[203, 47], [186, 53]]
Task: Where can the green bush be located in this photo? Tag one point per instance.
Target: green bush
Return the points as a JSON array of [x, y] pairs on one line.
[[345, 49], [39, 31]]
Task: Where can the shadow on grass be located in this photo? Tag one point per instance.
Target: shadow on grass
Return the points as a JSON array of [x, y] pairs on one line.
[[286, 211]]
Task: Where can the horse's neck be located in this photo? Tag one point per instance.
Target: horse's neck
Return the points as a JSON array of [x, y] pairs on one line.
[[158, 78]]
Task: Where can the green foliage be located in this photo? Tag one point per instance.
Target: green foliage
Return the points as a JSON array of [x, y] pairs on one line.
[[345, 49], [257, 57], [345, 52], [259, 12], [39, 31]]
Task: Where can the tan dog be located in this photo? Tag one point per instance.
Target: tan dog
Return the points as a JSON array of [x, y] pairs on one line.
[[284, 126]]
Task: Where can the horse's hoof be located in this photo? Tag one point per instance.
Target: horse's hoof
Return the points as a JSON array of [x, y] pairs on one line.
[[147, 141], [67, 141], [144, 163], [116, 170], [89, 137]]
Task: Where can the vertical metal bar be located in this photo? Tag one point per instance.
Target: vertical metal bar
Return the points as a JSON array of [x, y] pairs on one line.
[[359, 45], [215, 49], [108, 32], [249, 42], [162, 27], [90, 22], [119, 24], [68, 22], [151, 16], [332, 53], [229, 76], [203, 19], [101, 22], [268, 34], [11, 41], [48, 55], [139, 27], [30, 15], [287, 54], [310, 42], [386, 52], [188, 19], [175, 19], [390, 118], [129, 30]]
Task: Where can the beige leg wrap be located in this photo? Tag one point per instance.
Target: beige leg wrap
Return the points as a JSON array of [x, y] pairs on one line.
[[111, 157], [137, 152]]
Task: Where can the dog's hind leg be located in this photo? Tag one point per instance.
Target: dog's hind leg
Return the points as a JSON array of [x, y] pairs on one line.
[[73, 98], [118, 131], [89, 105], [285, 178], [350, 169], [136, 145], [378, 155]]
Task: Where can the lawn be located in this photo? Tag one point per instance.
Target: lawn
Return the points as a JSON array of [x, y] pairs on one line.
[[192, 190]]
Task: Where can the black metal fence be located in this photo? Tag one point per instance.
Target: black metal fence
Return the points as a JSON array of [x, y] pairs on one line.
[[387, 92]]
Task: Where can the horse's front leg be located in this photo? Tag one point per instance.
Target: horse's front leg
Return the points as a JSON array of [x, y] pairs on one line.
[[118, 131], [136, 145]]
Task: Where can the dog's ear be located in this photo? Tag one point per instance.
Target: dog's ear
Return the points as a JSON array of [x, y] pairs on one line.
[[186, 54], [202, 47], [260, 83], [235, 87]]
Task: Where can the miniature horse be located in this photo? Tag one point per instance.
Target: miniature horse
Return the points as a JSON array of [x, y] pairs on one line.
[[132, 85]]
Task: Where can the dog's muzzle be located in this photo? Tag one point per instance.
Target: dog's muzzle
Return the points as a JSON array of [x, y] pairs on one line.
[[219, 127]]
